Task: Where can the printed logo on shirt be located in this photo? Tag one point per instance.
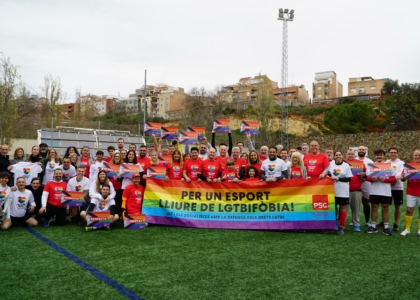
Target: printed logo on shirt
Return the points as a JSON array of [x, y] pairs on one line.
[[21, 199], [2, 195], [194, 167], [65, 176], [52, 165], [296, 174], [83, 164], [231, 176], [59, 189], [78, 188], [395, 168], [176, 169], [138, 194], [336, 172], [102, 205], [212, 168], [312, 162], [26, 171], [271, 168]]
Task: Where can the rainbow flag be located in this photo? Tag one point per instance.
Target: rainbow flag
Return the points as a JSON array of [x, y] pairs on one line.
[[135, 221], [169, 132], [221, 126], [250, 127], [356, 166], [127, 170], [156, 172], [111, 170], [200, 131], [72, 198], [153, 128], [167, 158], [285, 205], [188, 138], [98, 219], [383, 169], [412, 170]]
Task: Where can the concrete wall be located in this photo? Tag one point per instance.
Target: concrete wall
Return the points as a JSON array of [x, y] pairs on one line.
[[26, 144], [405, 141]]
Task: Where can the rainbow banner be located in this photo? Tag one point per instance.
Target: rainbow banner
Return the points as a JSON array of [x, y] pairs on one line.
[[383, 169], [412, 170], [167, 158], [356, 166], [72, 198], [135, 221], [285, 205], [250, 127], [127, 170], [153, 128], [200, 131], [156, 172], [98, 219], [111, 170], [221, 126], [188, 138], [169, 132]]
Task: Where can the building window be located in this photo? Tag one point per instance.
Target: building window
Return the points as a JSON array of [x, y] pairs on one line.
[[319, 88], [361, 90], [353, 91], [373, 87], [319, 96]]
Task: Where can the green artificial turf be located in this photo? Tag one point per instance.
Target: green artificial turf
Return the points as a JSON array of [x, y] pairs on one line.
[[186, 263]]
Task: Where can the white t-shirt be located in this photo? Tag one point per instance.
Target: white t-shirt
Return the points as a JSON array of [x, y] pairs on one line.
[[273, 168], [365, 184], [49, 171], [78, 186], [20, 202], [4, 194], [94, 194], [398, 167], [26, 170], [94, 170], [69, 173], [341, 189], [101, 205]]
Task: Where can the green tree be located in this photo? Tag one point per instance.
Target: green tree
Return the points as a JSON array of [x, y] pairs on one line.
[[402, 110], [349, 118], [266, 112]]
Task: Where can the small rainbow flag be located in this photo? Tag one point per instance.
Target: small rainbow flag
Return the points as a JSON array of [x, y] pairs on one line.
[[250, 127]]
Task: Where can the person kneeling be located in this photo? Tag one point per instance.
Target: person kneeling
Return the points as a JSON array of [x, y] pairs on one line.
[[99, 204], [21, 207]]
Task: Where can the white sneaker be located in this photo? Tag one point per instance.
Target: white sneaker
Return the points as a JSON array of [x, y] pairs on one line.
[[351, 224], [405, 232], [418, 233]]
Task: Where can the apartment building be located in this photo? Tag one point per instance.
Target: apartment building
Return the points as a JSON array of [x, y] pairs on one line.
[[293, 94], [326, 86], [365, 86]]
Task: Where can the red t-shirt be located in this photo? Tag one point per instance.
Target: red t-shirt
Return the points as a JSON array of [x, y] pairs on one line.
[[316, 164], [413, 187], [239, 163], [193, 168], [256, 166], [230, 175], [175, 172], [295, 173], [262, 158], [116, 183], [144, 162], [108, 159], [252, 179], [222, 161], [211, 169], [84, 162], [133, 199], [55, 190], [161, 163]]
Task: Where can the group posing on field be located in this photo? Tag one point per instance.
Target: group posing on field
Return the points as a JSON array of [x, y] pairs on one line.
[[31, 189]]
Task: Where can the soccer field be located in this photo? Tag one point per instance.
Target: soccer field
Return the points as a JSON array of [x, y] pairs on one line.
[[185, 263]]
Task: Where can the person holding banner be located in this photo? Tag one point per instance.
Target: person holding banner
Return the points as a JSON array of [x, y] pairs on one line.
[[355, 188], [79, 184], [297, 169], [273, 169], [413, 193], [230, 174], [339, 171], [263, 150], [117, 182], [51, 200], [96, 188], [98, 204], [361, 155], [380, 191], [228, 151], [4, 193], [175, 167], [252, 174], [316, 163], [22, 205], [211, 167], [223, 156], [193, 167], [131, 159], [133, 196], [254, 159], [155, 162]]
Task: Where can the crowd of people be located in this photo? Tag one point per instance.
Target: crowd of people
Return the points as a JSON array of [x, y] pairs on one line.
[[31, 189]]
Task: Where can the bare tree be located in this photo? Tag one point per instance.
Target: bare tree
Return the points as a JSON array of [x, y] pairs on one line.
[[53, 95]]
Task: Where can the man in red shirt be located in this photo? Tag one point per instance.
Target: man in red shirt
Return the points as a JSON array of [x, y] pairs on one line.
[[143, 159], [239, 163], [132, 198], [413, 198], [51, 200], [211, 167], [193, 167], [316, 163], [223, 157], [355, 191]]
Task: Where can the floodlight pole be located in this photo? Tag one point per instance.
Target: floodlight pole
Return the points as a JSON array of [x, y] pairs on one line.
[[285, 16], [144, 106]]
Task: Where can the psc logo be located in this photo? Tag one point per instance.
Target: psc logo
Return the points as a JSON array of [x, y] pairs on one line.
[[319, 202]]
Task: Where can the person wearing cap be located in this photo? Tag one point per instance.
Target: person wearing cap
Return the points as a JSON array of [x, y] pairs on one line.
[[43, 150], [132, 198]]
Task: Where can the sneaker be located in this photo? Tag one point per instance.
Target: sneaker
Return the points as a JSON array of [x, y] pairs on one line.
[[47, 221], [387, 232], [395, 227], [405, 232], [351, 224], [380, 225], [371, 230], [337, 226], [356, 228], [340, 231], [369, 224]]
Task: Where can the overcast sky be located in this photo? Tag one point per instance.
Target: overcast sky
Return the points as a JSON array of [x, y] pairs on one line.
[[105, 46]]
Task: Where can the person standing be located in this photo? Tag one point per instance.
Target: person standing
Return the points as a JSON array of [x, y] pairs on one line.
[[316, 163], [361, 155], [96, 166], [273, 169], [68, 170]]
